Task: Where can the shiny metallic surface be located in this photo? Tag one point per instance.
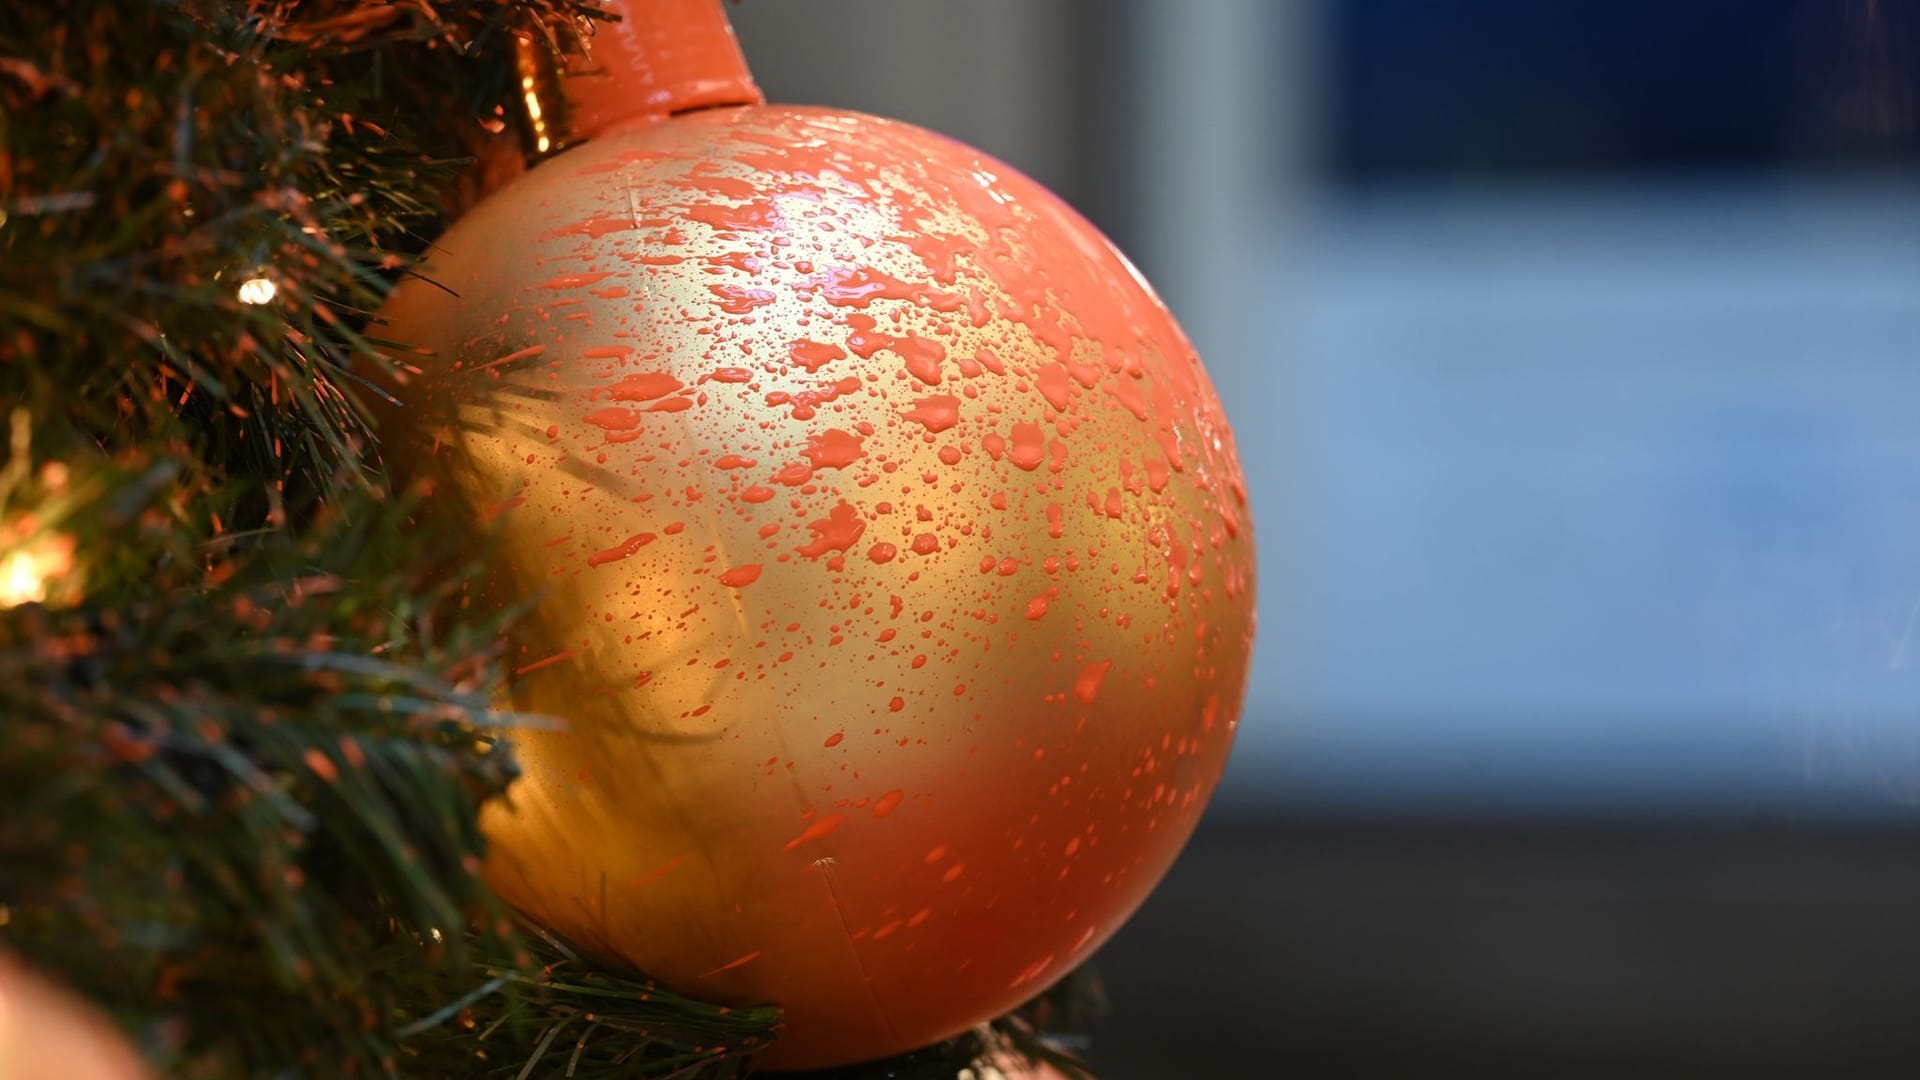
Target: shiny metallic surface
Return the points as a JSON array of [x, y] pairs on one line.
[[893, 569]]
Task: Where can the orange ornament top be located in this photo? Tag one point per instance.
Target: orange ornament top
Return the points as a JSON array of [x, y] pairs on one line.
[[668, 57]]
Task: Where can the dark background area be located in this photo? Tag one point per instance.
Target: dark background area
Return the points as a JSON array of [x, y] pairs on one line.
[[1293, 947], [1574, 351], [1501, 87]]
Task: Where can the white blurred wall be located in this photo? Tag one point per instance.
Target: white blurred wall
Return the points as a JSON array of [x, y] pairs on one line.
[[996, 74]]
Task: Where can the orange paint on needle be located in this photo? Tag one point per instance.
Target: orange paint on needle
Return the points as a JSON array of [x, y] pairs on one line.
[[818, 830], [548, 662], [731, 964]]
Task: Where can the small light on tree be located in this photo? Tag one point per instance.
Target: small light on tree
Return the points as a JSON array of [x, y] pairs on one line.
[[27, 571], [258, 290]]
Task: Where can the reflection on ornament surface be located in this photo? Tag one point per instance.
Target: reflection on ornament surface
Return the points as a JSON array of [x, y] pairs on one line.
[[893, 567]]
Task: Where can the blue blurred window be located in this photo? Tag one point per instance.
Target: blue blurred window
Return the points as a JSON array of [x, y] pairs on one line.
[[1530, 86]]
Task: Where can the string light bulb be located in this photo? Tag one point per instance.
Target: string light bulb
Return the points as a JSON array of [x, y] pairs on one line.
[[28, 571], [258, 290]]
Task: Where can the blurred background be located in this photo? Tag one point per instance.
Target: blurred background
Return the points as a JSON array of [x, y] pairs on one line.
[[1574, 351]]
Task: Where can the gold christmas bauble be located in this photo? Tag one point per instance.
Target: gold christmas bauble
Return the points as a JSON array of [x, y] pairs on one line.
[[886, 553]]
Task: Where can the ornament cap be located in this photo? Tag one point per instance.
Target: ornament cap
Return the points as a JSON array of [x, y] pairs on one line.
[[662, 57]]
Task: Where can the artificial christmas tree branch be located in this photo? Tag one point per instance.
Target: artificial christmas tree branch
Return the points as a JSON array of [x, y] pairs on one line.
[[247, 712]]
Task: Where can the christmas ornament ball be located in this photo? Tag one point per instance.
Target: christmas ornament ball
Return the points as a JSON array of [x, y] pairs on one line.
[[886, 557]]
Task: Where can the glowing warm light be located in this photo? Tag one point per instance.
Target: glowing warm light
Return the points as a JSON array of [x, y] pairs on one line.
[[26, 572], [21, 580], [541, 143], [258, 291]]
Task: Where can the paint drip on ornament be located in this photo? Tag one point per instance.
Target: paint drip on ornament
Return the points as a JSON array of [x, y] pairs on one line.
[[887, 551]]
